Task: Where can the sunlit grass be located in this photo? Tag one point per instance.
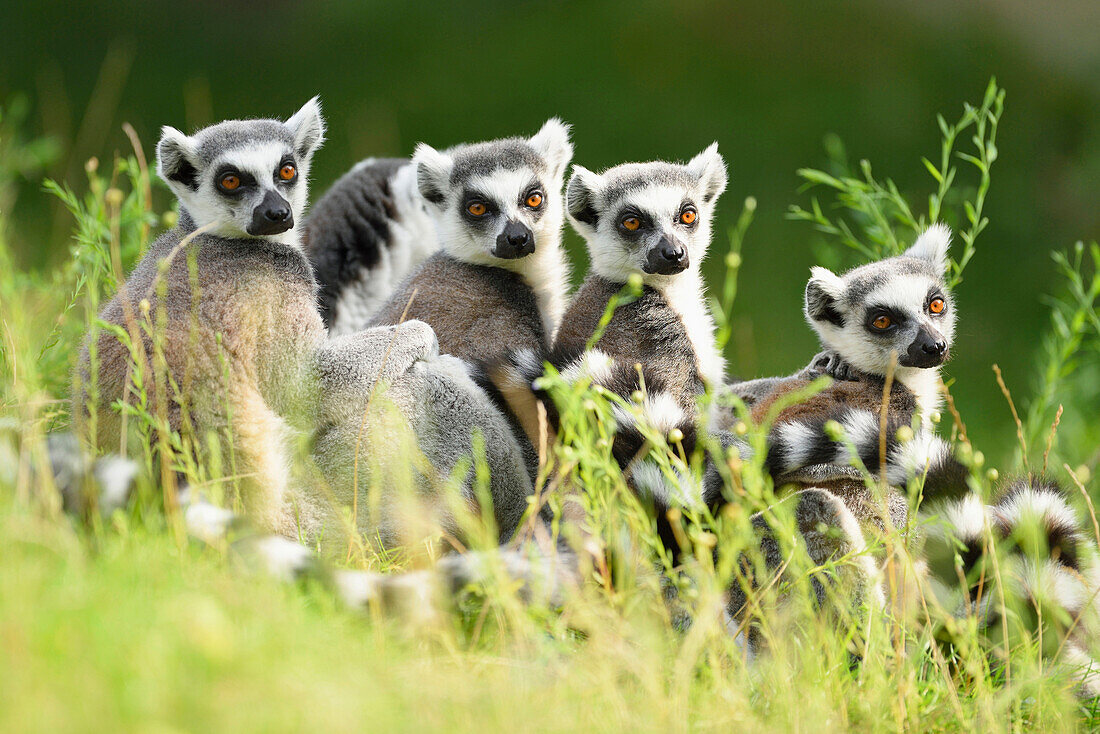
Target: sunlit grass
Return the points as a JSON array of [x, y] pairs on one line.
[[122, 623]]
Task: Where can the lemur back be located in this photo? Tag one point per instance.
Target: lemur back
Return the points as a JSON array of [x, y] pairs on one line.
[[256, 294], [474, 309], [500, 281], [364, 236]]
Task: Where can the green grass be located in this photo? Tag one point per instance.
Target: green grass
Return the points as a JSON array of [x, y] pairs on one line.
[[125, 625]]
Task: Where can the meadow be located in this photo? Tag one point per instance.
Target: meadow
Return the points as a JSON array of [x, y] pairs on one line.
[[122, 623]]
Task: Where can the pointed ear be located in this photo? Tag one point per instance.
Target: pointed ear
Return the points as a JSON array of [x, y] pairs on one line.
[[308, 128], [552, 143], [433, 172], [176, 158], [580, 196], [710, 168], [932, 246], [823, 295]]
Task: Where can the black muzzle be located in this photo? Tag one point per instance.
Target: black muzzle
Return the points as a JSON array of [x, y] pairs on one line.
[[929, 349], [668, 257], [271, 216], [516, 241]]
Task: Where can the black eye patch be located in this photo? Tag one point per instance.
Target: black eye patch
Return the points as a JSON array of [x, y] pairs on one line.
[[934, 295], [477, 209], [535, 188], [631, 223], [881, 320], [223, 179], [286, 165]]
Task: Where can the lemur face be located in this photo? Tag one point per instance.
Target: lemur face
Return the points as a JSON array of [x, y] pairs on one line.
[[497, 202], [244, 178], [649, 218], [898, 305]]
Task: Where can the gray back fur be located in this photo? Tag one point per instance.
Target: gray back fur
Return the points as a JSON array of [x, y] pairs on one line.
[[240, 322], [479, 313]]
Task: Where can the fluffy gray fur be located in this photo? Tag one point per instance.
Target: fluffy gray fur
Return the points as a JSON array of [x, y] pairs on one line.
[[423, 411]]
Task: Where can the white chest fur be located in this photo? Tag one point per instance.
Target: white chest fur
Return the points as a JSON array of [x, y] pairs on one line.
[[925, 385], [547, 274], [686, 296]]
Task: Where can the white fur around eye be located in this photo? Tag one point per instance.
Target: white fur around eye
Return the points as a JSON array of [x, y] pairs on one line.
[[261, 160], [507, 189], [908, 295], [661, 202]]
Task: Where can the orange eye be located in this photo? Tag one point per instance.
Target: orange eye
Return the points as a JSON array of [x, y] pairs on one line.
[[230, 182], [476, 208], [937, 305], [288, 172], [631, 223], [882, 322], [534, 200], [688, 216]]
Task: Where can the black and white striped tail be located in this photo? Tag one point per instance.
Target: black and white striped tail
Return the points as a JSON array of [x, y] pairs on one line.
[[363, 237], [537, 574], [1047, 565]]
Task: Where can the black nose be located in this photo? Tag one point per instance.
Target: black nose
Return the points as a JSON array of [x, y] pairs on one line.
[[515, 241], [668, 257], [936, 349], [271, 216], [277, 214], [673, 254], [929, 349]]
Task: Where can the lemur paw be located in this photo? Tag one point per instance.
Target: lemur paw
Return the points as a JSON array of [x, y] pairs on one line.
[[832, 364]]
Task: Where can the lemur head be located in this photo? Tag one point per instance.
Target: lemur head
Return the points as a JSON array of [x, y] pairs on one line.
[[244, 178], [649, 218], [498, 201], [900, 304]]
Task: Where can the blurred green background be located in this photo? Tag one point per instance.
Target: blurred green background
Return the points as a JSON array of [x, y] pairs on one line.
[[637, 80]]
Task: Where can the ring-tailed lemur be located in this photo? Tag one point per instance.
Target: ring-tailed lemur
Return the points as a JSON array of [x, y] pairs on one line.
[[230, 298], [364, 236], [897, 309], [243, 343], [865, 318], [501, 278]]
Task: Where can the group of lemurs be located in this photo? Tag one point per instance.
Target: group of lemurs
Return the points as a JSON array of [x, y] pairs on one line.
[[432, 292]]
